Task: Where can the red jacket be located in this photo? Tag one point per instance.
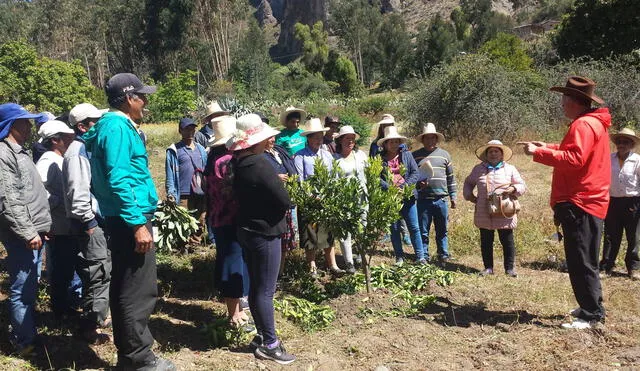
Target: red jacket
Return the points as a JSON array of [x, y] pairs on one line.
[[581, 164]]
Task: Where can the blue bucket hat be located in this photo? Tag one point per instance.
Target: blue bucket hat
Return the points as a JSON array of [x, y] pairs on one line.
[[9, 113]]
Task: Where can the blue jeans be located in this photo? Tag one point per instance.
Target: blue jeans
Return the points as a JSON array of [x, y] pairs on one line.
[[23, 266], [409, 213], [436, 211]]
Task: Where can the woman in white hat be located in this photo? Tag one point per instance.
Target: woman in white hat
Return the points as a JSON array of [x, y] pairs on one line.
[[291, 138], [494, 176], [231, 274], [623, 214], [352, 162], [315, 237], [404, 171], [262, 204], [212, 113], [387, 120]]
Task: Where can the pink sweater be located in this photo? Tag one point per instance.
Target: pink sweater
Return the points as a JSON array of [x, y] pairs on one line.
[[487, 180]]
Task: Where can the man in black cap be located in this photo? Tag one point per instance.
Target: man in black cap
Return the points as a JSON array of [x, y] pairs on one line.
[[185, 162], [127, 197]]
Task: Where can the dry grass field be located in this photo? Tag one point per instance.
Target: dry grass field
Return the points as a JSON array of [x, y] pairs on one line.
[[476, 323]]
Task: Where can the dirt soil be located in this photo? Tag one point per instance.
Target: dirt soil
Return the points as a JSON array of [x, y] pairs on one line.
[[477, 323]]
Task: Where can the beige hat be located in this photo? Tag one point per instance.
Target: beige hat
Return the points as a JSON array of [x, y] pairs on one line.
[[250, 130], [347, 129], [627, 133], [481, 152], [223, 128], [214, 110], [314, 126], [53, 127], [430, 128], [387, 119], [289, 110], [84, 111], [390, 132]]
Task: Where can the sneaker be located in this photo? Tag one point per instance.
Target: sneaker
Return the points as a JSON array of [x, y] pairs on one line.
[[606, 273], [159, 364], [277, 354], [357, 260], [511, 273], [487, 272], [634, 275], [399, 262], [256, 342], [578, 324], [406, 240], [423, 261], [350, 269], [244, 303], [336, 271], [575, 312]]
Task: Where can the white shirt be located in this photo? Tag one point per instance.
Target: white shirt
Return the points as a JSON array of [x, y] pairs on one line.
[[625, 181]]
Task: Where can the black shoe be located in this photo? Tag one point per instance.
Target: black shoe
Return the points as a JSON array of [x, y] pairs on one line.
[[159, 364], [357, 260], [256, 342], [277, 354], [350, 269], [511, 273]]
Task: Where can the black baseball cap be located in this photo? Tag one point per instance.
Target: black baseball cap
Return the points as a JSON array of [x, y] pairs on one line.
[[123, 83], [186, 122]]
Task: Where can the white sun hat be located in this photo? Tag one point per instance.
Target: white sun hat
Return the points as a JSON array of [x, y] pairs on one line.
[[314, 126], [390, 132], [347, 129], [250, 130], [223, 128]]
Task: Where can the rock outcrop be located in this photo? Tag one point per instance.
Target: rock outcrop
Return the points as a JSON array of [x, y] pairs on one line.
[[306, 12]]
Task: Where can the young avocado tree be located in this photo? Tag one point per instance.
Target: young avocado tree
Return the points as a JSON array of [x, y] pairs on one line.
[[342, 206]]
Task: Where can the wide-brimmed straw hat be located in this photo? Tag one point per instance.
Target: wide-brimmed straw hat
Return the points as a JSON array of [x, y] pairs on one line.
[[223, 128], [289, 110], [581, 87], [481, 152], [387, 119], [626, 133], [430, 128], [314, 126], [390, 132], [347, 129], [214, 110], [250, 130]]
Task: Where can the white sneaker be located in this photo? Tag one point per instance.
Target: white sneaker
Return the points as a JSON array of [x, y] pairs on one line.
[[578, 324], [575, 312]]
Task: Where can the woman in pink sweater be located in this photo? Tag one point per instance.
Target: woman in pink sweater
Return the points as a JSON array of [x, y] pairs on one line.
[[494, 176]]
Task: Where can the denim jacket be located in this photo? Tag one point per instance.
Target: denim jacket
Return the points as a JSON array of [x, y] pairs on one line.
[[173, 172], [411, 175]]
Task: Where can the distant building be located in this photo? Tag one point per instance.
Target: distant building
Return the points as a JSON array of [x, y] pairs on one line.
[[533, 30]]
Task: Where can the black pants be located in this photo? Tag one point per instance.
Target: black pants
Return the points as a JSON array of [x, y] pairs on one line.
[[623, 215], [133, 294], [582, 236], [262, 255], [508, 247]]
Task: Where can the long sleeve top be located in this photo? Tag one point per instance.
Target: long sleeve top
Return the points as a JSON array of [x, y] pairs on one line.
[[305, 161], [625, 179], [442, 183], [488, 179]]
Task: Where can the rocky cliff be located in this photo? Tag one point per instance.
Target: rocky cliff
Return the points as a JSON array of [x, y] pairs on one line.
[[294, 11]]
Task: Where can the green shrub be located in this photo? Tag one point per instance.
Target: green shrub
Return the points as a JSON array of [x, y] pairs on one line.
[[509, 51], [360, 124], [373, 104], [175, 98]]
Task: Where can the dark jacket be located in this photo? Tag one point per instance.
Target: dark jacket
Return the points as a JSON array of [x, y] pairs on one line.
[[287, 161], [410, 177], [262, 198]]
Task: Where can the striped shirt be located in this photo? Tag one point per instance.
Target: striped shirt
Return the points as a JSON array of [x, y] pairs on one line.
[[442, 183]]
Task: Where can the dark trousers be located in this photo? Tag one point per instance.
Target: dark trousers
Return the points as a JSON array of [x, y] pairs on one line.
[[133, 294], [88, 256], [582, 236], [262, 255], [508, 247], [623, 216]]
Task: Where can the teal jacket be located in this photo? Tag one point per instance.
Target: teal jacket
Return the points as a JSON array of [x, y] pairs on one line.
[[122, 183]]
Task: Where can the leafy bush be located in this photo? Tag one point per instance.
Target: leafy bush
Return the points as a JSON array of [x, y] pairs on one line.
[[373, 104], [360, 124], [509, 51], [175, 226], [341, 70], [175, 98]]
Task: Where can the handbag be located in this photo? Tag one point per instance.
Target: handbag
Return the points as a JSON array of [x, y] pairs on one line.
[[503, 205]]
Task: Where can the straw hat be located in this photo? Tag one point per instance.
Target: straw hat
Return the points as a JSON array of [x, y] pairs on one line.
[[314, 126], [430, 128], [626, 133], [289, 110], [250, 130], [223, 128], [581, 87], [214, 110], [347, 129], [387, 119], [390, 132], [481, 152]]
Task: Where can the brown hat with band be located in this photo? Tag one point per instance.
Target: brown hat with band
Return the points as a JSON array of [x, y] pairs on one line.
[[581, 87]]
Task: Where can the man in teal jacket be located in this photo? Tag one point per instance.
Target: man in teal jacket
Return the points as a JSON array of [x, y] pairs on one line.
[[127, 197]]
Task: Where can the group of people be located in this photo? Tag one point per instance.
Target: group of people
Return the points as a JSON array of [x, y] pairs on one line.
[[90, 198]]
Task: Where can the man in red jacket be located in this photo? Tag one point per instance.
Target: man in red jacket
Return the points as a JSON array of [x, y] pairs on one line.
[[580, 192]]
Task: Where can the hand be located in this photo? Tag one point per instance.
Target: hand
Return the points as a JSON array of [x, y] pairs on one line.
[[422, 184], [171, 199], [35, 243], [510, 190], [144, 241], [531, 147], [283, 177], [90, 231], [453, 204]]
